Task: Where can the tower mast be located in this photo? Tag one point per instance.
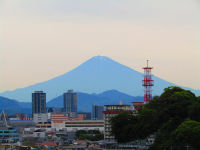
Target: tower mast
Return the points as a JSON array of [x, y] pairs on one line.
[[147, 83]]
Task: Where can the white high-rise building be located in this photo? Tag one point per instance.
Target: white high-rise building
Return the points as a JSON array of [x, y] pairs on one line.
[[111, 111]]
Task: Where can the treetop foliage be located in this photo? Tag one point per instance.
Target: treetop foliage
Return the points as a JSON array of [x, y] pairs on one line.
[[92, 135], [166, 116]]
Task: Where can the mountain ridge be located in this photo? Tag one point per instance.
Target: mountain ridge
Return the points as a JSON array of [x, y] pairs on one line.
[[12, 106], [84, 102], [96, 75]]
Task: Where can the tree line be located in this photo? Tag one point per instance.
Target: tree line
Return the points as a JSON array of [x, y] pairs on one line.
[[173, 118]]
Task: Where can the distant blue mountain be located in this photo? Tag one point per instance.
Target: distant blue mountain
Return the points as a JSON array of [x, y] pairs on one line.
[[11, 106], [85, 101], [96, 75]]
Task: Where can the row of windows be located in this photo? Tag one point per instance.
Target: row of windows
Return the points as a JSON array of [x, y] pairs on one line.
[[8, 132], [43, 126], [7, 136], [83, 123], [107, 126], [84, 126], [110, 115]]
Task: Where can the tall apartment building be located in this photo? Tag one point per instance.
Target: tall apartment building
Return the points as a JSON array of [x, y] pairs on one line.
[[70, 103], [111, 111], [97, 112], [38, 102]]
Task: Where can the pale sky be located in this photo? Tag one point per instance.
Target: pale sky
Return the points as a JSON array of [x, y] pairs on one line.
[[42, 39]]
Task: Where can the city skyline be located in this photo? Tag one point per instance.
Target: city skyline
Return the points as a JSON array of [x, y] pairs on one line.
[[59, 36]]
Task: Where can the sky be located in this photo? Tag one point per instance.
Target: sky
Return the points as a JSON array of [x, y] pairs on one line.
[[42, 39]]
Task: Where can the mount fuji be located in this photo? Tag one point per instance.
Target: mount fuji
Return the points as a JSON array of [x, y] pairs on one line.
[[96, 75]]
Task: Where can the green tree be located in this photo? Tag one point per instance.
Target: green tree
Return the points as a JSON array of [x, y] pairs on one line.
[[161, 117], [92, 135], [198, 98], [187, 133], [194, 111], [121, 126]]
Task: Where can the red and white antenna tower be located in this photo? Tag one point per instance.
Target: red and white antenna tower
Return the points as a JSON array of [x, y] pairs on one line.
[[147, 83]]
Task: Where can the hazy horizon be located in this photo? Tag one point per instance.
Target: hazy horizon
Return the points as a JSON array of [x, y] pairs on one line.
[[44, 39]]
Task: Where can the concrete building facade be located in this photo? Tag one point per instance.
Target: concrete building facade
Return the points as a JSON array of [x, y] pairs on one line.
[[61, 121], [84, 125], [111, 111], [137, 105], [86, 115], [8, 135], [40, 118], [97, 112]]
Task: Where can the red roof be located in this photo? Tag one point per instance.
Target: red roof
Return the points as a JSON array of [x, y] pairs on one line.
[[79, 142], [47, 144]]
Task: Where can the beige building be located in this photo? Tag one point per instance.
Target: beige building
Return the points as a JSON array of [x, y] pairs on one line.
[[58, 120], [40, 118], [61, 121], [84, 125]]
